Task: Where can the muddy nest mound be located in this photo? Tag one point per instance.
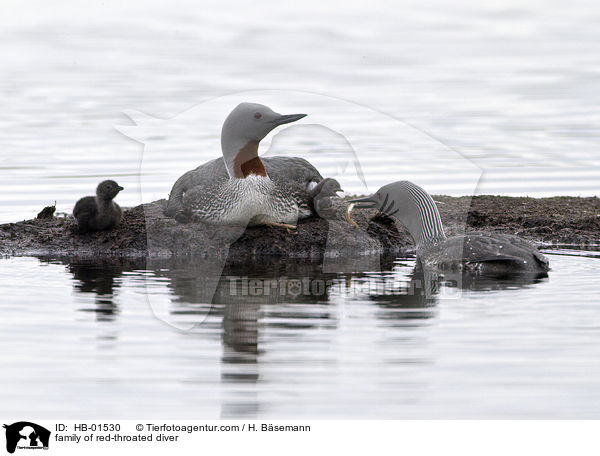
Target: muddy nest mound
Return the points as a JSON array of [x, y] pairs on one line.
[[145, 231]]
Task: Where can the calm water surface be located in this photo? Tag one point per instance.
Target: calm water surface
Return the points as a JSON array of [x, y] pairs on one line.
[[513, 87], [87, 340]]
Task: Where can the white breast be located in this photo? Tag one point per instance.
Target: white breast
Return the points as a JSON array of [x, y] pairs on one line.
[[255, 200]]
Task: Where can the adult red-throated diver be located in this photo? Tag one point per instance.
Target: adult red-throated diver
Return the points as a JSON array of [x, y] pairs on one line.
[[481, 252], [240, 188]]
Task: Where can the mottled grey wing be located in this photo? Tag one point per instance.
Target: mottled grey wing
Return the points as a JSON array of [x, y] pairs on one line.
[[294, 175], [294, 170], [211, 173]]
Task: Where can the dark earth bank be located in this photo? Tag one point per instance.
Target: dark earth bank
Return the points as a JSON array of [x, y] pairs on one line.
[[145, 231]]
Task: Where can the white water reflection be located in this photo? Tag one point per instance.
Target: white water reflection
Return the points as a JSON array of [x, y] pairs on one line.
[[367, 346]]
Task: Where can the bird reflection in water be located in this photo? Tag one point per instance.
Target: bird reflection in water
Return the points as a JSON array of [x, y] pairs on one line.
[[99, 278], [415, 298], [244, 305], [234, 297]]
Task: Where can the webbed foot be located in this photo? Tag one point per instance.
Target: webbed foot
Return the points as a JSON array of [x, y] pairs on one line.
[[290, 228]]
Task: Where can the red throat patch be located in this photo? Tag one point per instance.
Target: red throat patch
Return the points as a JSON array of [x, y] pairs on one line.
[[247, 162]]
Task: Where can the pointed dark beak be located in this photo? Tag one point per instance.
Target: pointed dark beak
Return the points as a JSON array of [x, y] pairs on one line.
[[120, 188], [364, 203], [288, 118]]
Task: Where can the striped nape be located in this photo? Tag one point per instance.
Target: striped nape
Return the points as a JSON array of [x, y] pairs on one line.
[[431, 222]]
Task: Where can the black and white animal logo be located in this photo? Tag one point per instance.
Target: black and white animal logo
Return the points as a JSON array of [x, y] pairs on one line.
[[26, 435]]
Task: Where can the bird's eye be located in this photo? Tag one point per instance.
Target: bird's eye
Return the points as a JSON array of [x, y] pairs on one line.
[[257, 115]]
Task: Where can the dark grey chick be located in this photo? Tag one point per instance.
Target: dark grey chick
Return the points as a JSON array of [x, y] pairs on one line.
[[323, 195], [99, 212]]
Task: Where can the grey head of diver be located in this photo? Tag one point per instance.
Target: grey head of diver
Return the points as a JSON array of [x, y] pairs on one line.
[[243, 130], [410, 204]]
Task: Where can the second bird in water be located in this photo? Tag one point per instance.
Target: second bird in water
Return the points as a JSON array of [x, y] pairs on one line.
[[482, 252]]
